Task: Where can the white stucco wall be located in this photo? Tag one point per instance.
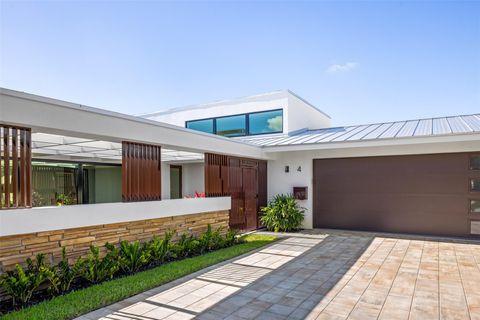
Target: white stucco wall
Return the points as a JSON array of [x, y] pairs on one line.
[[165, 180], [193, 178], [208, 111], [301, 115], [20, 221], [281, 182], [297, 113]]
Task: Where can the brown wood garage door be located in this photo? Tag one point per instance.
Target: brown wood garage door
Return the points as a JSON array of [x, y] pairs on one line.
[[424, 194]]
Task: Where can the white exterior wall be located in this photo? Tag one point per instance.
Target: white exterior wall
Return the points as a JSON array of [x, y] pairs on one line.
[[281, 182], [165, 180], [180, 117], [301, 115], [193, 178], [20, 221]]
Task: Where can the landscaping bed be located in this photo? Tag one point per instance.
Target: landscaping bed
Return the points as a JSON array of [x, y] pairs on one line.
[[126, 271]]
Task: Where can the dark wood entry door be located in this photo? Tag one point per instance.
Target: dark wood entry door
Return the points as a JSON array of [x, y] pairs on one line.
[[422, 194], [244, 180], [250, 197], [244, 192]]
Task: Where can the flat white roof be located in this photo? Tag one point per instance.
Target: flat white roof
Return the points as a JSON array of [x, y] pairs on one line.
[[277, 94]]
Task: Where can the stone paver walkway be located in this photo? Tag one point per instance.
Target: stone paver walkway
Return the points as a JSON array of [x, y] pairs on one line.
[[333, 275]]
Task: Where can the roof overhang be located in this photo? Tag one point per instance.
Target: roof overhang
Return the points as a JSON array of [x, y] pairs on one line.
[[413, 145], [51, 116]]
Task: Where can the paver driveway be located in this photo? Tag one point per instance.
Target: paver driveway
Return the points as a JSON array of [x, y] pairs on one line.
[[331, 275]]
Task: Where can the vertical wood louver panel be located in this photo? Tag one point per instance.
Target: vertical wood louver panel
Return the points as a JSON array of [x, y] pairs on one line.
[[216, 175], [15, 169], [141, 172]]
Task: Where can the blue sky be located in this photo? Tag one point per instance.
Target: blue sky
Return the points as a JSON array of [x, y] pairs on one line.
[[360, 62]]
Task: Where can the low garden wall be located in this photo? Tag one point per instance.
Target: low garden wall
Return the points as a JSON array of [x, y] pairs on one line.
[[51, 228], [17, 248]]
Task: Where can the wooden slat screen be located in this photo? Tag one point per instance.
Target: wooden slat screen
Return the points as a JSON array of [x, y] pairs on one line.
[[244, 180], [141, 172], [216, 175], [15, 168]]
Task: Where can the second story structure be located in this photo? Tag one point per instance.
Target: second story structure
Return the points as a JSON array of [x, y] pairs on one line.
[[277, 112]]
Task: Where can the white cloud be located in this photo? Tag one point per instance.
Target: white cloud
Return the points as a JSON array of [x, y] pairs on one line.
[[346, 67]]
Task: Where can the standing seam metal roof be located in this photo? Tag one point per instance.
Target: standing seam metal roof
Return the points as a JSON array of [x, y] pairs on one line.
[[462, 124]]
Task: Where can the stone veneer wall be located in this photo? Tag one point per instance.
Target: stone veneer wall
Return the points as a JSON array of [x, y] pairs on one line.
[[17, 248]]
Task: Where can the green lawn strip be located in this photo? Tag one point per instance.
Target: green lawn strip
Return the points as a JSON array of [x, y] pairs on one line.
[[85, 300]]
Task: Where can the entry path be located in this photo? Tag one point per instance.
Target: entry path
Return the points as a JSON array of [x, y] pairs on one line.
[[323, 275]]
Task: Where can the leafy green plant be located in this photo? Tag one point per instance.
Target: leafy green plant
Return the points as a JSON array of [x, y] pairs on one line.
[[132, 256], [97, 269], [64, 274], [158, 248], [20, 284], [187, 245], [82, 301], [282, 214], [65, 199], [231, 238], [38, 264], [217, 241], [206, 239]]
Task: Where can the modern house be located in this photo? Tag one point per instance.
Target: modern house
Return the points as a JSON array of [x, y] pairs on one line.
[[126, 177]]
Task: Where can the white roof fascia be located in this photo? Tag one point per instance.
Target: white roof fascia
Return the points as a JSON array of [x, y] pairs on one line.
[[53, 116], [450, 138]]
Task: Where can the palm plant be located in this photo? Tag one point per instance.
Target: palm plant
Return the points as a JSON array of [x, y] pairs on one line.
[[282, 214]]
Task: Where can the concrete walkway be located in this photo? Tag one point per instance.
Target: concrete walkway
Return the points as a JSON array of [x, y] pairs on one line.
[[332, 275]]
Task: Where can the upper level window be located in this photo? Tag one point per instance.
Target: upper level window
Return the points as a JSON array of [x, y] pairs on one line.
[[266, 122], [232, 126], [201, 125], [262, 122]]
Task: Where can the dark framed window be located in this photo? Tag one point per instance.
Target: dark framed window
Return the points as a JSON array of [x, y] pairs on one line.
[[475, 185], [475, 162], [262, 122], [206, 125], [231, 126], [265, 122], [475, 205]]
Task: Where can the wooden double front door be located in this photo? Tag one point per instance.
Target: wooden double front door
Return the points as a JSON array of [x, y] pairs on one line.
[[244, 180]]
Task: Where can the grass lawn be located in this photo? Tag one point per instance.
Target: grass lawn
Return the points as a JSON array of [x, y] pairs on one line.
[[85, 300]]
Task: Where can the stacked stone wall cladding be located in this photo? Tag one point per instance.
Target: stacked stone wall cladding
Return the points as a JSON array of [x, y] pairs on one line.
[[17, 248]]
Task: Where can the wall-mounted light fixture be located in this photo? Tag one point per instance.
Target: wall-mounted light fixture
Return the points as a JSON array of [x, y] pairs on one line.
[[287, 169]]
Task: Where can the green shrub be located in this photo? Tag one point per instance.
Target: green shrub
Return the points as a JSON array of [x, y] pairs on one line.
[[282, 214], [159, 249], [62, 276], [206, 239], [132, 256], [97, 269], [217, 241], [20, 284], [36, 265], [186, 246], [231, 238]]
